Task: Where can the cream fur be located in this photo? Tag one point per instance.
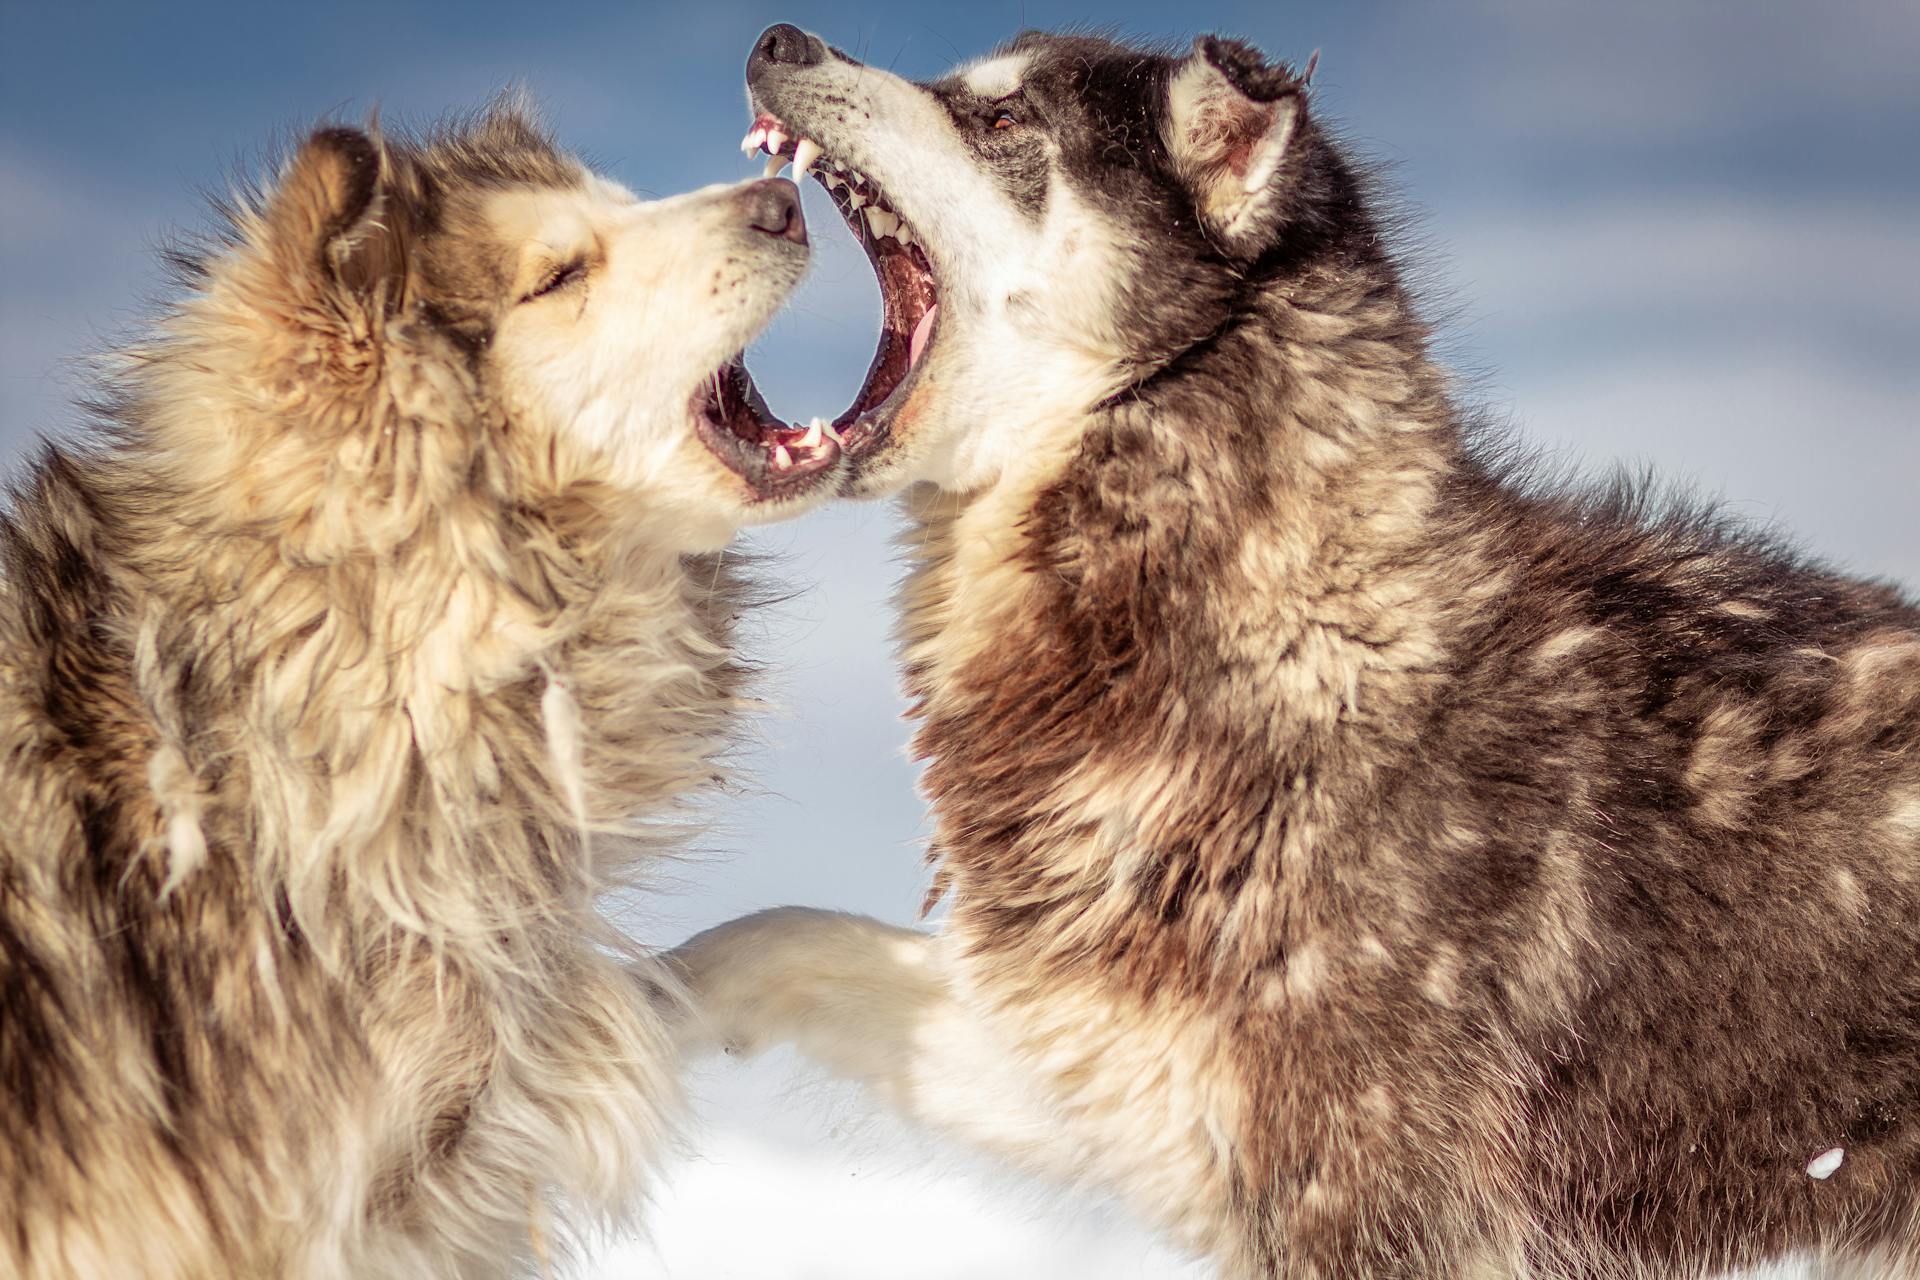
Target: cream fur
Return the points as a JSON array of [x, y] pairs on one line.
[[382, 639]]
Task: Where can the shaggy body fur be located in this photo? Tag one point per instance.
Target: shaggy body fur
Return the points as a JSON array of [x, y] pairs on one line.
[[339, 679], [1365, 862]]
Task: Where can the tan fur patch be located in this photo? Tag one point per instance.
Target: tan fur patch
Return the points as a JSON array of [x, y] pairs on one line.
[[334, 693]]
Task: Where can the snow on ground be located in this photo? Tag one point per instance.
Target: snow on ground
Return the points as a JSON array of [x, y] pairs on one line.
[[805, 1182], [787, 1180]]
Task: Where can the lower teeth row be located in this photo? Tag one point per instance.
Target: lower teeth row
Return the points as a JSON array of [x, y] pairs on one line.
[[783, 457]]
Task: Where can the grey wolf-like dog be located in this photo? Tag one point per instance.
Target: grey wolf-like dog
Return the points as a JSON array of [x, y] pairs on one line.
[[1365, 859]]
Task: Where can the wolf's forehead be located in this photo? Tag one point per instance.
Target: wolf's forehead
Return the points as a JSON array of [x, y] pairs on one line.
[[996, 76]]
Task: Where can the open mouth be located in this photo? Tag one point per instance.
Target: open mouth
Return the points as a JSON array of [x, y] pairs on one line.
[[909, 292], [774, 458]]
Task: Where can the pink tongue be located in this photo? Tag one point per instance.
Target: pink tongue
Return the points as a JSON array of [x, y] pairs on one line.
[[920, 334]]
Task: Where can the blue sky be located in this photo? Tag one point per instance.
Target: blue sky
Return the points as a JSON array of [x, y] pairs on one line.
[[1680, 233]]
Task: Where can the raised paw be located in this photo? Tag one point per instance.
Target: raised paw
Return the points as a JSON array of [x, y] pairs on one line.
[[742, 976], [788, 972]]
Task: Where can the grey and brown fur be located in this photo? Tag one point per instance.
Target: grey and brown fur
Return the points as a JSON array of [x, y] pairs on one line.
[[1366, 861], [333, 691]]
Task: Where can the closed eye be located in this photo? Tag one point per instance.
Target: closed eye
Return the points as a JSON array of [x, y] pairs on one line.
[[559, 278]]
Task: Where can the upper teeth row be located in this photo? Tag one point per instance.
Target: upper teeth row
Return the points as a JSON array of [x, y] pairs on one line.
[[771, 139], [807, 153]]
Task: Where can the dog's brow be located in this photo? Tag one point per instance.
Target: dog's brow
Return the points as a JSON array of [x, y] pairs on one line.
[[996, 78]]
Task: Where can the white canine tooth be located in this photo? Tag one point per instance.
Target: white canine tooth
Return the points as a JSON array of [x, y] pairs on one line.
[[831, 434], [904, 235], [781, 458], [751, 143], [804, 154], [882, 222], [775, 163], [811, 440], [776, 140]]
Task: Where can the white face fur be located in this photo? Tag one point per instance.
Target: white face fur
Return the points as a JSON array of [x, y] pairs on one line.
[[1069, 255], [1025, 332], [625, 308], [1029, 343]]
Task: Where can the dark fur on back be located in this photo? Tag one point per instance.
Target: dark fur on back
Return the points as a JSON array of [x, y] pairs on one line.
[[1540, 873]]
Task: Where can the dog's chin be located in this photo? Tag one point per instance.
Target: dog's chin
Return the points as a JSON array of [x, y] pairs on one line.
[[899, 451], [693, 503]]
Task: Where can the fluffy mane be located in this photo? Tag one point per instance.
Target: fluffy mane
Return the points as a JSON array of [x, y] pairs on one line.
[[333, 699]]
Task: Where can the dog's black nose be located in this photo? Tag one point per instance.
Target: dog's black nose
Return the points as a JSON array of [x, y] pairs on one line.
[[773, 208], [783, 45]]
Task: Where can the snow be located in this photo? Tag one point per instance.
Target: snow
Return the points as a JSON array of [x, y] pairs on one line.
[[1824, 1165]]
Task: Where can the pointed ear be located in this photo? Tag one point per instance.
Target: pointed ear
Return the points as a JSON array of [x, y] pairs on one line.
[[1231, 119], [324, 226]]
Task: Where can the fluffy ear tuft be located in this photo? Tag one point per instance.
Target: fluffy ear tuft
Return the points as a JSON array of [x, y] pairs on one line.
[[327, 226], [1230, 121], [329, 187]]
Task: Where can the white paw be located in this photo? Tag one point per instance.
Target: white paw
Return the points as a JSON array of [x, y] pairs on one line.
[[749, 978]]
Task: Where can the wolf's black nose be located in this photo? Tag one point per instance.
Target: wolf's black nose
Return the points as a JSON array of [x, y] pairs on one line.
[[773, 208], [784, 45]]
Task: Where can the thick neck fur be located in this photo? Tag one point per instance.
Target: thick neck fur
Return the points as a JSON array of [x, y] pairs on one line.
[[1239, 546], [455, 707], [453, 695]]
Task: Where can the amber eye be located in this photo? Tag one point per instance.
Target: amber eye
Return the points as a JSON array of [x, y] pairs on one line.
[[1004, 119]]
